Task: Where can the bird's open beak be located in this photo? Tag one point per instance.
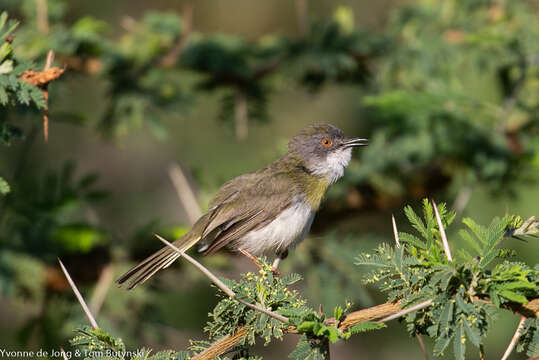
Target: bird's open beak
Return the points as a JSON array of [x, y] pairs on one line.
[[353, 142]]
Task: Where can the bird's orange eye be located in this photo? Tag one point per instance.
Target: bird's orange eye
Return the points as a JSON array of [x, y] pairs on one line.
[[326, 142]]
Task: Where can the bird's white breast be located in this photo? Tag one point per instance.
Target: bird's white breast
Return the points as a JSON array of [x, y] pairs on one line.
[[287, 229]]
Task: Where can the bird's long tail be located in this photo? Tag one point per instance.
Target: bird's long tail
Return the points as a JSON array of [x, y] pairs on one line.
[[159, 260]]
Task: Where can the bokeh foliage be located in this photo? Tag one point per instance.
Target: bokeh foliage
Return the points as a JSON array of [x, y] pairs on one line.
[[451, 102]]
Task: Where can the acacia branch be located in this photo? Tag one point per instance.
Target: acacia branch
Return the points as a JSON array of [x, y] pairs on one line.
[[382, 311], [42, 79], [220, 284]]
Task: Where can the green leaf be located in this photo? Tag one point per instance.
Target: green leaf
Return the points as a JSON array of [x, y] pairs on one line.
[[513, 296], [304, 351], [366, 326], [473, 333], [4, 187], [459, 343], [413, 240], [416, 221]]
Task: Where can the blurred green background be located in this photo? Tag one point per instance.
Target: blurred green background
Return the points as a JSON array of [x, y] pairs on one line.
[[447, 92]]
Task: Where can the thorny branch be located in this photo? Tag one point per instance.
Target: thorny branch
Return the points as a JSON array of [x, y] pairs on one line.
[[383, 311], [41, 79]]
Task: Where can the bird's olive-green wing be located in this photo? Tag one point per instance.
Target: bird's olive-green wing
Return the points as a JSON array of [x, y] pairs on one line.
[[246, 203]]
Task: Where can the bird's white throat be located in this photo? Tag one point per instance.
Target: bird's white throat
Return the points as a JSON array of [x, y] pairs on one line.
[[333, 167]]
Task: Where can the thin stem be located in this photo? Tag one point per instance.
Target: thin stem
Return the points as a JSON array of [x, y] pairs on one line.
[[302, 11], [481, 352], [42, 17], [422, 344], [514, 340], [48, 64], [106, 278], [185, 192], [419, 306], [241, 115], [89, 315], [220, 284], [395, 232], [250, 257], [442, 233], [64, 355]]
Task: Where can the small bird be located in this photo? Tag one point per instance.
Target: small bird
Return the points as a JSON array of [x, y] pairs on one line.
[[268, 211]]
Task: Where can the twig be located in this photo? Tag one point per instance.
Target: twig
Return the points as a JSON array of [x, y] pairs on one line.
[[250, 257], [462, 199], [48, 64], [171, 59], [106, 278], [89, 315], [241, 115], [220, 284], [442, 233], [395, 232], [481, 352], [422, 344], [185, 192], [41, 79], [375, 312], [64, 355], [419, 306], [222, 345], [302, 11], [42, 16], [514, 339]]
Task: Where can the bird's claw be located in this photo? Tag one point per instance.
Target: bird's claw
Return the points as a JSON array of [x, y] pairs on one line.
[[276, 272]]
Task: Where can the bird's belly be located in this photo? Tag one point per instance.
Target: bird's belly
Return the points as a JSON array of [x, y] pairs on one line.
[[286, 230]]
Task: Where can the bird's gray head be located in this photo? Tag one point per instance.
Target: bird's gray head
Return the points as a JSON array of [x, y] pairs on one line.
[[324, 149]]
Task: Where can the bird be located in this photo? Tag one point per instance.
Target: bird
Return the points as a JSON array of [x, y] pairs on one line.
[[268, 211]]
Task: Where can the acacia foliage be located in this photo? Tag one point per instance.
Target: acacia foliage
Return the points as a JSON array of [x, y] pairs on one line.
[[419, 270], [452, 103], [451, 86], [464, 294]]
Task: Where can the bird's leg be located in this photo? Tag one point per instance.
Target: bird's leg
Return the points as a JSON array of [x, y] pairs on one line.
[[280, 256], [250, 257]]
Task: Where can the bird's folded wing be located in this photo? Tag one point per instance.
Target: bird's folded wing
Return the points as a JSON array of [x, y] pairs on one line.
[[250, 208]]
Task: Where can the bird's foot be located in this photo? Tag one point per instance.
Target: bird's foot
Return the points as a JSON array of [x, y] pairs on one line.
[[275, 272]]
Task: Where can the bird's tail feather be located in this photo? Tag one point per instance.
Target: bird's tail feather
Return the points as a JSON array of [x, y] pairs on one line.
[[159, 260]]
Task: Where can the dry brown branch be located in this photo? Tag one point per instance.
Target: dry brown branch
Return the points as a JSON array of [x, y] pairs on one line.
[[222, 345], [42, 79], [382, 311], [406, 311]]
